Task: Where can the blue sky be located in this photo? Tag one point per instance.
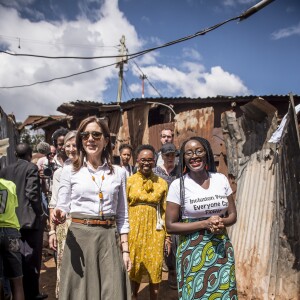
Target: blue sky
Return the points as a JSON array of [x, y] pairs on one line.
[[258, 56]]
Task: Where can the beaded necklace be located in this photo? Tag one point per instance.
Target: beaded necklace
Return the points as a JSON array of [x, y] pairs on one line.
[[100, 193]]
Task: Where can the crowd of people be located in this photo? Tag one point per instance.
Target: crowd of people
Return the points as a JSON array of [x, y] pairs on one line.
[[114, 224]]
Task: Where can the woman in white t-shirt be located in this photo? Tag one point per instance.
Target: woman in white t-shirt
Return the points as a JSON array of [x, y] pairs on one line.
[[199, 208]]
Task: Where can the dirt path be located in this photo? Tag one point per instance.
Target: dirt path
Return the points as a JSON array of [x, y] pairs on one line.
[[48, 279]]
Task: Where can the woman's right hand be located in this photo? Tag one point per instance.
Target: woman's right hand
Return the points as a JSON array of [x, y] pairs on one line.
[[58, 216], [215, 224], [127, 261], [53, 242]]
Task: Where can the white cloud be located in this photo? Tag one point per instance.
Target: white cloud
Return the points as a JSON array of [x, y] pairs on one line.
[[135, 88], [191, 53], [45, 98], [148, 59], [195, 81], [62, 38], [286, 32]]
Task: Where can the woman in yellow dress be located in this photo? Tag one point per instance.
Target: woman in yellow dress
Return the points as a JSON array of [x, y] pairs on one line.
[[146, 194]]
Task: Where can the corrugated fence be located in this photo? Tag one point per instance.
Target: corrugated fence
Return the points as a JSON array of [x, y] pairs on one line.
[[266, 235]]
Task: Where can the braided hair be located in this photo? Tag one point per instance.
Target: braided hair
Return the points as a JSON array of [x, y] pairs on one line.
[[184, 169]]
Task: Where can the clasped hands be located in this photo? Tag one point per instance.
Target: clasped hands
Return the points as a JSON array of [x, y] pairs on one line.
[[58, 216], [215, 224]]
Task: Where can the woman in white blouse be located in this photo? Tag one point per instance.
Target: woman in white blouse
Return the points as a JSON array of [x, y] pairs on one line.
[[92, 190]]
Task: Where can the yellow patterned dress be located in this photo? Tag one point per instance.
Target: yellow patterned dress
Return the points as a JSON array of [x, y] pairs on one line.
[[146, 243]]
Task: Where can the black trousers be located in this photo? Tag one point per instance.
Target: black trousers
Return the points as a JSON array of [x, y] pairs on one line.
[[31, 250], [171, 258]]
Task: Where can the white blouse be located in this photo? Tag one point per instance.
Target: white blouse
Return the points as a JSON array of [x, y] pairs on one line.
[[78, 193]]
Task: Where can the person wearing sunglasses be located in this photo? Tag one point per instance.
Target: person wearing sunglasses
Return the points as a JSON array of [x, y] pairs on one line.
[[146, 193], [93, 191], [200, 206]]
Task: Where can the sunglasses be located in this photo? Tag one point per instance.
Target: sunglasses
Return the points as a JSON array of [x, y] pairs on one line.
[[96, 135]]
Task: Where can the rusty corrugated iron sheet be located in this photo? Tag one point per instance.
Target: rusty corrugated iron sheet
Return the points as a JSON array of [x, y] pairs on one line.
[[248, 134], [197, 122], [138, 125], [250, 161], [200, 122], [287, 278], [80, 106], [255, 236]]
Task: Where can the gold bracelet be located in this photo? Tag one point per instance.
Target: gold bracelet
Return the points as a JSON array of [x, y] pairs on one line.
[[126, 252]]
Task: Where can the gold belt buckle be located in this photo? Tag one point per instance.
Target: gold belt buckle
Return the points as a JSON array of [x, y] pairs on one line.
[[86, 222]]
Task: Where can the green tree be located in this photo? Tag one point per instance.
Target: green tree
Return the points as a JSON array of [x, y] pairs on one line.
[[31, 138]]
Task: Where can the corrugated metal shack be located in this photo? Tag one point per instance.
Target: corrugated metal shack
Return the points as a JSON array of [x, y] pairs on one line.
[[266, 236], [8, 130]]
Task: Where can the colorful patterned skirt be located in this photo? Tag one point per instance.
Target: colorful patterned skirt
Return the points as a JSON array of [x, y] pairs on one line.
[[205, 267]]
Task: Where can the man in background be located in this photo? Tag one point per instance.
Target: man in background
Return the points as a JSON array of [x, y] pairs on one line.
[[30, 215], [166, 136]]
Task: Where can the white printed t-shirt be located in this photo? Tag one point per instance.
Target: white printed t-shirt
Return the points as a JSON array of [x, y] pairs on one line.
[[200, 202]]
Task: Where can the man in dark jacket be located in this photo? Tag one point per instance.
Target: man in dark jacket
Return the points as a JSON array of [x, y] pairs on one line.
[[30, 214]]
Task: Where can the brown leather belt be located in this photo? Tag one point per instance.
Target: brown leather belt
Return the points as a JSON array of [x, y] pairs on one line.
[[94, 222]]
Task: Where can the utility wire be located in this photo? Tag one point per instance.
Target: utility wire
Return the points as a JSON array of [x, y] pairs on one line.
[[130, 56], [243, 16], [249, 12], [183, 39], [56, 78], [130, 95], [146, 77], [154, 87], [25, 40], [62, 77]]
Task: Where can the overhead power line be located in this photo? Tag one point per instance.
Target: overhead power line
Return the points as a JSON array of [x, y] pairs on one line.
[[186, 38], [249, 12], [62, 77], [45, 43], [146, 77], [130, 95], [241, 17]]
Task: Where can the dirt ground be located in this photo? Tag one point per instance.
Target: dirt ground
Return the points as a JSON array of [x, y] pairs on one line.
[[48, 279]]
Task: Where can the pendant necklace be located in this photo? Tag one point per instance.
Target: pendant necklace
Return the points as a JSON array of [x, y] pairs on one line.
[[100, 193]]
